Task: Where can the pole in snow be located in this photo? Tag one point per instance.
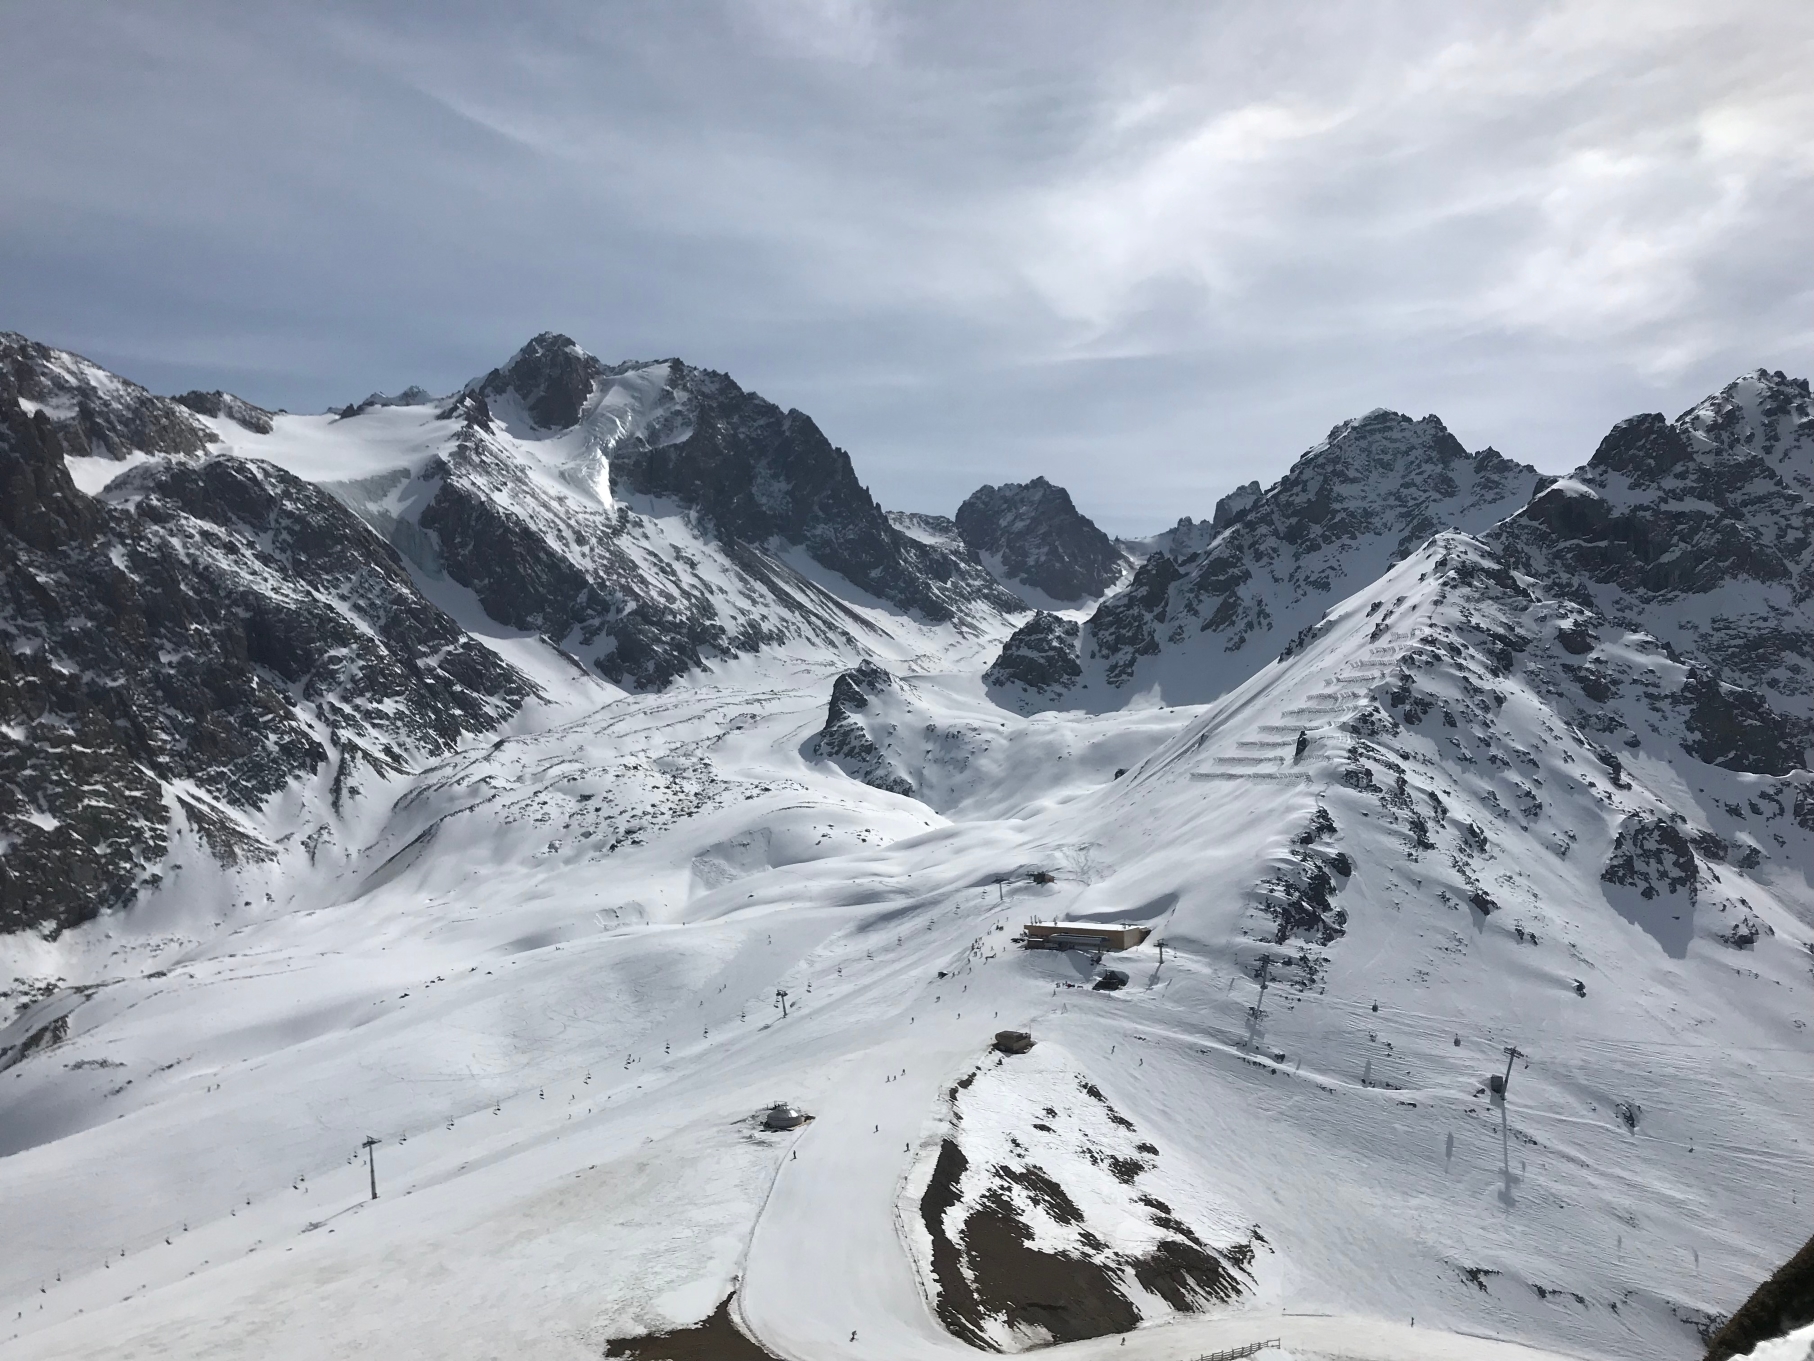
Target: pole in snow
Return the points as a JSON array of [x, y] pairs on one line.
[[1511, 1052], [371, 1163], [781, 994]]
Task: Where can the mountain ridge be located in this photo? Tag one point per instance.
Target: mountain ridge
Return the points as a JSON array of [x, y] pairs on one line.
[[332, 705], [1198, 622]]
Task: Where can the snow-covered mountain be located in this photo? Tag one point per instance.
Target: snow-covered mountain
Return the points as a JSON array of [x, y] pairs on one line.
[[1469, 786], [94, 418], [1035, 539], [1191, 536], [183, 649], [1700, 531], [206, 624], [1195, 621], [652, 518]]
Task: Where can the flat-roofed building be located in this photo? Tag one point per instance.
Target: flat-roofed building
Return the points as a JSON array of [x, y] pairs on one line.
[[1082, 936]]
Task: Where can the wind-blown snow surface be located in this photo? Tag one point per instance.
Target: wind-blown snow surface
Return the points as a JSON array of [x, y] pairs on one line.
[[544, 974]]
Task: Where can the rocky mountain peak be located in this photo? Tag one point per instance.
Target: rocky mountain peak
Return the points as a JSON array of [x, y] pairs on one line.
[[1758, 409], [1234, 505], [568, 479], [1761, 414], [1033, 535], [551, 376], [225, 406], [1382, 458], [413, 395], [94, 413], [1364, 498], [1700, 531]]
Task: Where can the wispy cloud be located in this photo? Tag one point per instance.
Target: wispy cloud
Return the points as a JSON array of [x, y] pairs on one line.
[[1146, 249]]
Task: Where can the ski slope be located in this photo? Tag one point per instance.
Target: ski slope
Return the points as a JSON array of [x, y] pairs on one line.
[[544, 974]]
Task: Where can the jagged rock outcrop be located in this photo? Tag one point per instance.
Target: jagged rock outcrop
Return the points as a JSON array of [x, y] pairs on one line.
[[1234, 505], [1193, 536], [1032, 535], [1780, 1305], [93, 413], [846, 740], [225, 406], [1700, 532], [1040, 657], [215, 622], [1126, 626], [1375, 490], [1652, 855], [413, 395]]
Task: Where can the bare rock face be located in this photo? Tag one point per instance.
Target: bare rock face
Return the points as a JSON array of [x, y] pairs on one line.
[[1700, 532], [1236, 504], [214, 621], [1780, 1305], [1033, 535], [92, 413], [845, 738], [1129, 625], [548, 501], [225, 406], [1041, 657], [1653, 856], [1029, 1229]]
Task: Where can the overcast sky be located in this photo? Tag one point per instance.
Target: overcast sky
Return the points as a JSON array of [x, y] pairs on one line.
[[1149, 250]]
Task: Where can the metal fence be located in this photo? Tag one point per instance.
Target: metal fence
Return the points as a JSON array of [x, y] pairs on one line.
[[1234, 1353]]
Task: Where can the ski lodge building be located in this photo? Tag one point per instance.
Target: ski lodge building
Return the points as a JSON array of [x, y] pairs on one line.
[[1081, 936]]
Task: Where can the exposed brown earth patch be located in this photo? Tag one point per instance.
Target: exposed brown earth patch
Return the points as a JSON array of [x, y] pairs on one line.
[[712, 1339], [992, 1283]]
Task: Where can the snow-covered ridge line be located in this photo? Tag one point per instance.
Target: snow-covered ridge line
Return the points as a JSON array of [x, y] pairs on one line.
[[428, 875]]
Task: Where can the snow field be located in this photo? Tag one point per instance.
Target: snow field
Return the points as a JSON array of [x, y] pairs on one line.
[[621, 895]]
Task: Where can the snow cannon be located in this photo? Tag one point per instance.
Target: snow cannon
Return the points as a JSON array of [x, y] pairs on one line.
[[781, 1115], [1013, 1041]]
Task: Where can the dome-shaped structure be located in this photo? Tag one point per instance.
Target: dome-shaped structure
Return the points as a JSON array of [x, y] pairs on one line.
[[783, 1116]]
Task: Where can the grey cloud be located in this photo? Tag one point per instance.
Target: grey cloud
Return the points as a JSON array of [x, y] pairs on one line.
[[1147, 250]]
